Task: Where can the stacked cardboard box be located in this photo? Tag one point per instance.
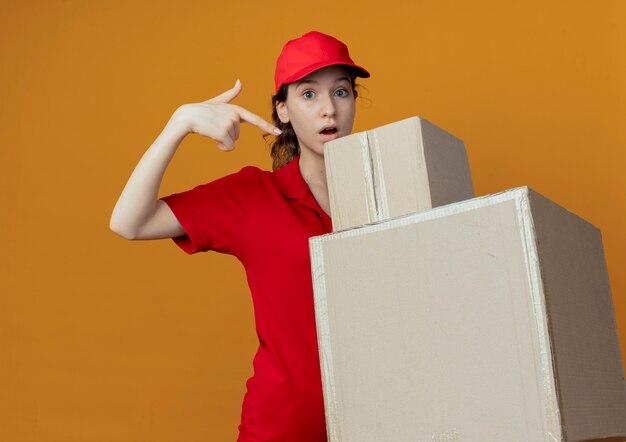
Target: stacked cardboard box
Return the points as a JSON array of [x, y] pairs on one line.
[[488, 319], [399, 168]]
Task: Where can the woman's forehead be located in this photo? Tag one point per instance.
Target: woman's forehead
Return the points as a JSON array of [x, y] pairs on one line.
[[334, 73]]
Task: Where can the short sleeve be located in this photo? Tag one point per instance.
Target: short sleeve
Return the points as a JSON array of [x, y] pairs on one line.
[[217, 215]]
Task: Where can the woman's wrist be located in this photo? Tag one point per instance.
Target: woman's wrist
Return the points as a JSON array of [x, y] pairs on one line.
[[179, 124]]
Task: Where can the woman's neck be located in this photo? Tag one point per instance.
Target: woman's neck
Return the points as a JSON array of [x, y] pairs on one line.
[[313, 170]]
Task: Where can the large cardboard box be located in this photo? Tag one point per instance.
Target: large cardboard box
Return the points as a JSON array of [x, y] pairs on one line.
[[403, 167], [485, 320]]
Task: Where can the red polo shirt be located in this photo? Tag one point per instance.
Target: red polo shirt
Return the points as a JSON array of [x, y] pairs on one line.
[[265, 219]]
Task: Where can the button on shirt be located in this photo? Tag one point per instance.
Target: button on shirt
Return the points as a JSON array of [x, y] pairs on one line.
[[265, 219]]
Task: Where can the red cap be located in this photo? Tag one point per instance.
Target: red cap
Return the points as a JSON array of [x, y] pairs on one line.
[[309, 53]]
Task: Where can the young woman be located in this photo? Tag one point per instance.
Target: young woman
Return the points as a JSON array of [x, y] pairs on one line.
[[264, 219]]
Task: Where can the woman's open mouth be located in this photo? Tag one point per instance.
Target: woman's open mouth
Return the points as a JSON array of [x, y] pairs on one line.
[[329, 133]]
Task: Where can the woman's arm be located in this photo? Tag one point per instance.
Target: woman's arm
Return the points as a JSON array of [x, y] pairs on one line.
[[139, 214]]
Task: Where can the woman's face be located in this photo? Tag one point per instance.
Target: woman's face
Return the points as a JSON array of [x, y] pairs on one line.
[[322, 99]]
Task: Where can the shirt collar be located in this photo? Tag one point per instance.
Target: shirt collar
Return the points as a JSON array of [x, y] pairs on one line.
[[291, 184]]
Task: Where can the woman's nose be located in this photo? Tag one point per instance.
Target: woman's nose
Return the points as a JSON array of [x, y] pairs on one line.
[[328, 107]]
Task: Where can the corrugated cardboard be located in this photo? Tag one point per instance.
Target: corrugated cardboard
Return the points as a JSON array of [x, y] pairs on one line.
[[485, 320], [400, 168]]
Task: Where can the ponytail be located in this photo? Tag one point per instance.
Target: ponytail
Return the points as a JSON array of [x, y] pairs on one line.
[[285, 146]]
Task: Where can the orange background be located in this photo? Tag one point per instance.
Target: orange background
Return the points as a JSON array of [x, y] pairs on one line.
[[103, 339]]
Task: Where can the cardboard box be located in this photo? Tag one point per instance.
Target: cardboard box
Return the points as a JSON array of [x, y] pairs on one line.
[[485, 320], [404, 167]]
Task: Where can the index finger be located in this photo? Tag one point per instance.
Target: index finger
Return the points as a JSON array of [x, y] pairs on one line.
[[249, 117]]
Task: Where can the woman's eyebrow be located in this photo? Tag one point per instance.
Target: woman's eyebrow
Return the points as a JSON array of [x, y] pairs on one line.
[[305, 82]]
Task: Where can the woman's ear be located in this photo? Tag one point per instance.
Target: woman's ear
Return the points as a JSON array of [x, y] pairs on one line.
[[282, 112]]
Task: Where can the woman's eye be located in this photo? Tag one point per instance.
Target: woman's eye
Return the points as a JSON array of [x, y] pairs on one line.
[[308, 94], [342, 92]]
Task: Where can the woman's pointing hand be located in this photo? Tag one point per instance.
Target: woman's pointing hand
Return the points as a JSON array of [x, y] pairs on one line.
[[219, 120]]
